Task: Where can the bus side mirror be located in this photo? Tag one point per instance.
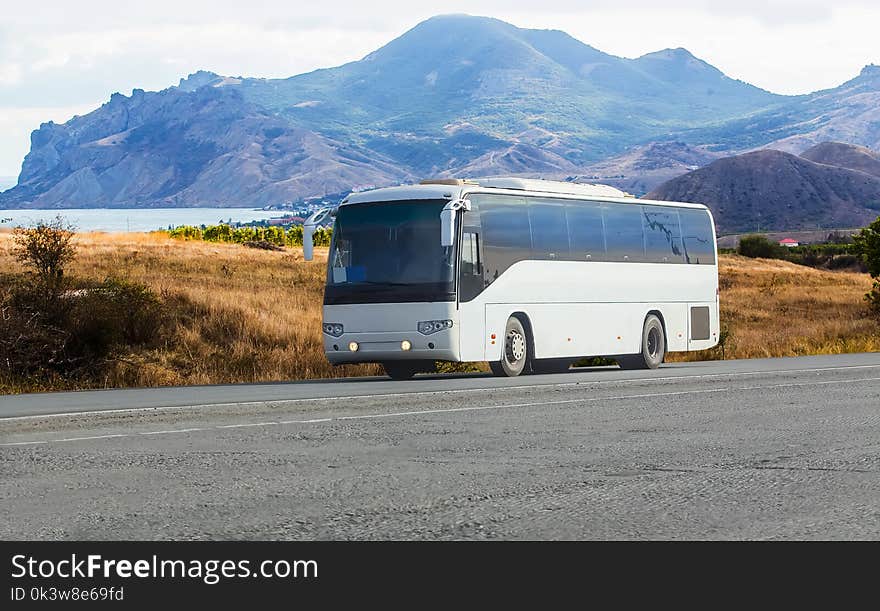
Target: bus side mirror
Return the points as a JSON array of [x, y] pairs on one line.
[[309, 227], [447, 220]]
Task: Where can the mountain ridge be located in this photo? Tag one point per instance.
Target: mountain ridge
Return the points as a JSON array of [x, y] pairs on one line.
[[770, 190], [453, 96]]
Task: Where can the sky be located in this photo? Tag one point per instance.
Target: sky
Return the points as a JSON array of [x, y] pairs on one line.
[[60, 58]]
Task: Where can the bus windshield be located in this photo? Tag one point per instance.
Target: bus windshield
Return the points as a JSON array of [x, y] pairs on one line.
[[389, 252]]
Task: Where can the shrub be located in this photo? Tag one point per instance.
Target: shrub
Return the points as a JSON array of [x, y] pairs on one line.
[[757, 246], [82, 329], [867, 245], [186, 232], [294, 236], [322, 237], [272, 234], [46, 248], [873, 298], [217, 233], [114, 313]]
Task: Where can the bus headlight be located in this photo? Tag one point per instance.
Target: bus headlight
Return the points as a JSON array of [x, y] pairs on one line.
[[353, 346], [427, 327], [405, 345], [333, 328]]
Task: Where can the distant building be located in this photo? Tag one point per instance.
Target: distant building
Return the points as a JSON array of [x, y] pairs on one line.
[[789, 243], [287, 220]]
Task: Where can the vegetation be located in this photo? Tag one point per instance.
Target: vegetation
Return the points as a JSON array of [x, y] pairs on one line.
[[758, 246], [867, 244], [838, 253], [148, 310], [45, 249], [773, 308], [278, 236], [57, 327]]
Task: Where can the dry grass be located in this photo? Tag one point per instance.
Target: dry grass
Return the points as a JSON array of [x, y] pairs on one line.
[[257, 313], [774, 308]]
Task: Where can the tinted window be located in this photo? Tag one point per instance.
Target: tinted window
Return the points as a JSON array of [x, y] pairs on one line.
[[471, 268], [506, 233], [585, 231], [389, 251], [624, 238], [549, 229], [662, 235], [698, 237]]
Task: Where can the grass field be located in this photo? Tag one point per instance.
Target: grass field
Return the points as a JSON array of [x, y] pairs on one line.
[[258, 313]]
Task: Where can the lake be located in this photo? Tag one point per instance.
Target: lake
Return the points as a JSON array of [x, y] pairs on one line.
[[115, 220]]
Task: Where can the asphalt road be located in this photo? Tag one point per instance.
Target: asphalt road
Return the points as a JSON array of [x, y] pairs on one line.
[[776, 448]]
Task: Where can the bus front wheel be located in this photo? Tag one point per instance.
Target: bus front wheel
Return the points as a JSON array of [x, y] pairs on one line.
[[514, 352], [653, 347]]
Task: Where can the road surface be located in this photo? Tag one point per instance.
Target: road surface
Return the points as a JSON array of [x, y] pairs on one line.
[[775, 448]]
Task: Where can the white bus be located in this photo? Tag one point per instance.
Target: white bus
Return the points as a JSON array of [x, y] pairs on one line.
[[529, 275]]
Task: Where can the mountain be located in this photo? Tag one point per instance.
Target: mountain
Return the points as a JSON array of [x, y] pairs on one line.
[[848, 113], [205, 147], [645, 167], [845, 156], [454, 96], [774, 190]]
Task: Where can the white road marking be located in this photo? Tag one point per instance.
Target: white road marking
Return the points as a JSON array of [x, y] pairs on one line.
[[89, 437], [245, 425], [173, 431], [23, 443], [269, 402], [471, 408]]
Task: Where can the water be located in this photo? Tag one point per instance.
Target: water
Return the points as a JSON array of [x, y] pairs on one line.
[[114, 220]]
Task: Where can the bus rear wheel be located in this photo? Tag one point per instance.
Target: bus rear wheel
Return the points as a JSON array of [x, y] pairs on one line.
[[653, 347], [515, 351]]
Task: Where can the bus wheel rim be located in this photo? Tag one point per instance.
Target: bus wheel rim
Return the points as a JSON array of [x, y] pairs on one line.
[[516, 347], [653, 343]]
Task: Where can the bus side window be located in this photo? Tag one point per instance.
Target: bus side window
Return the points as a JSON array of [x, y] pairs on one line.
[[507, 234], [624, 237], [586, 232], [471, 270], [698, 238], [549, 230], [662, 235], [470, 254]]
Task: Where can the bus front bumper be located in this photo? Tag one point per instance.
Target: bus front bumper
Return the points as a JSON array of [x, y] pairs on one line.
[[389, 346]]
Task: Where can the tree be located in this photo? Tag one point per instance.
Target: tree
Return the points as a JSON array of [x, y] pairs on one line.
[[867, 245], [46, 248]]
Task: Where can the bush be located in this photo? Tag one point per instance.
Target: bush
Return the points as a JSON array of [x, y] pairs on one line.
[[867, 245], [46, 248], [114, 313], [757, 246], [873, 298], [186, 232], [217, 233], [79, 332]]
